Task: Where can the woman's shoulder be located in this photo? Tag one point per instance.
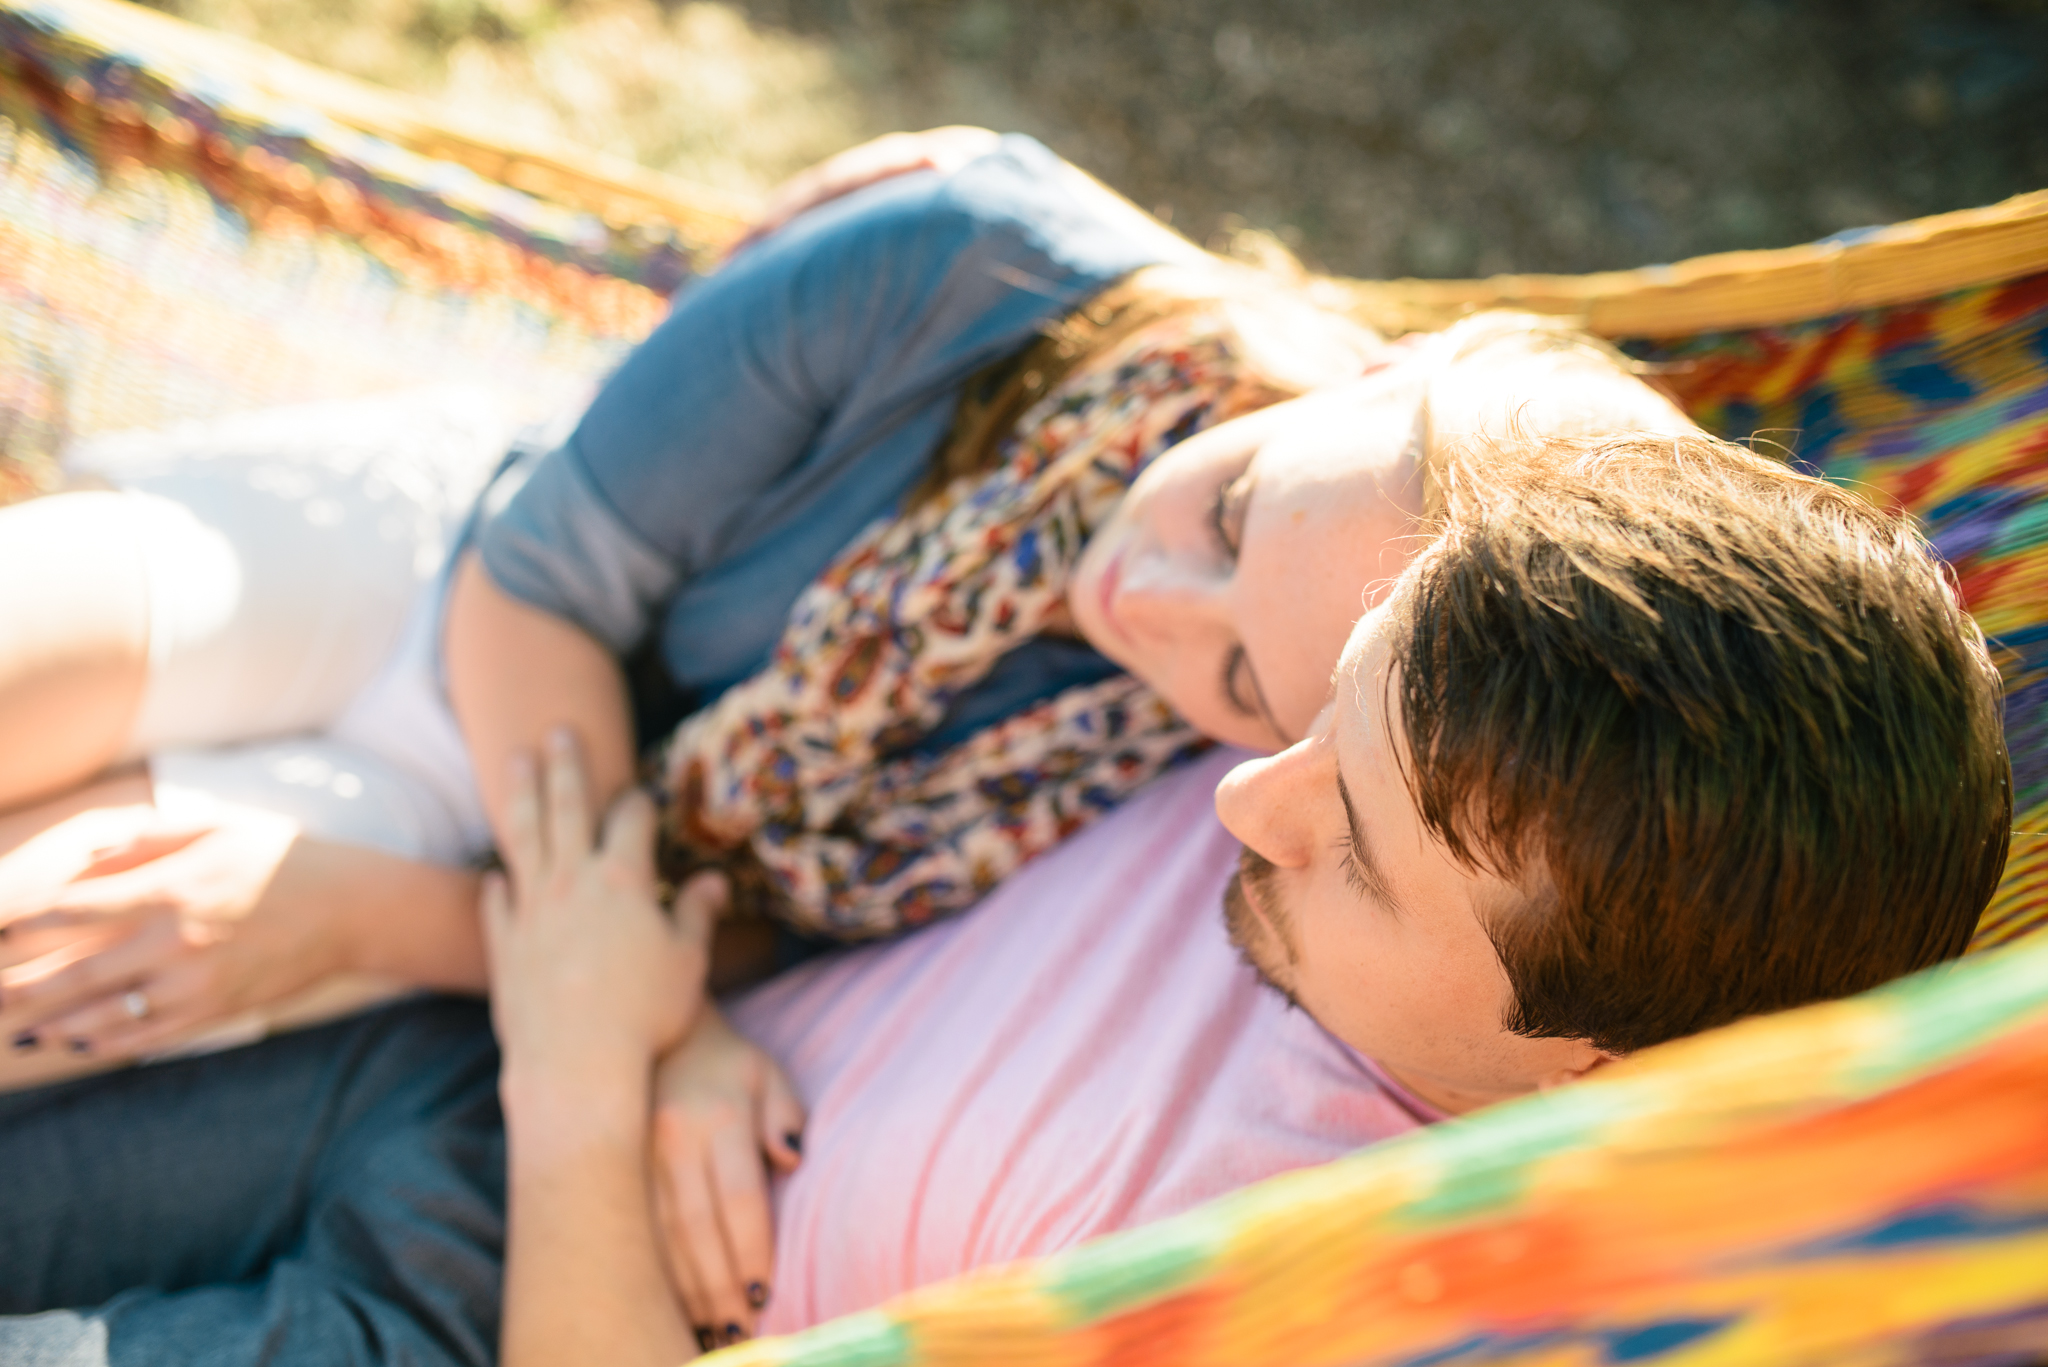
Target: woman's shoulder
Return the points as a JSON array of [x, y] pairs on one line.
[[1022, 181], [1017, 217]]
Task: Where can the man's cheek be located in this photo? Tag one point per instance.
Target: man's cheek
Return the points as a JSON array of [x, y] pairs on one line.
[[1329, 976], [1339, 954]]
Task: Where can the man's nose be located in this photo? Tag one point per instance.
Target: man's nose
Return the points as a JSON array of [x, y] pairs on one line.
[[1269, 803]]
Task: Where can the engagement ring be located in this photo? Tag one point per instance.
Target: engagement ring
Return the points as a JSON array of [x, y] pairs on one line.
[[134, 1003]]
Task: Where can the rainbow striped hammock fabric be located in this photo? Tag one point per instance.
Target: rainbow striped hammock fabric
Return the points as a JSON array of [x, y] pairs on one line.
[[190, 225]]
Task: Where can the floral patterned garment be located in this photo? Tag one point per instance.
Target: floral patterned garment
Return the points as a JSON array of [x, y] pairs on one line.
[[805, 765]]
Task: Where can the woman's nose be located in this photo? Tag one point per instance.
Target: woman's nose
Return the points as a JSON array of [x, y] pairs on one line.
[[1268, 803], [1162, 599]]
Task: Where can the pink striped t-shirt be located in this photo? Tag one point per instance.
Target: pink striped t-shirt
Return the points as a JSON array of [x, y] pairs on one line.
[[1081, 1053]]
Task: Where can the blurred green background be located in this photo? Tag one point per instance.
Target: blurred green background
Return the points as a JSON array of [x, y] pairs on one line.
[[1374, 137]]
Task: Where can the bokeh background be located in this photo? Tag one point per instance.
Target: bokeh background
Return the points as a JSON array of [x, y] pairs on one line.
[[1373, 137]]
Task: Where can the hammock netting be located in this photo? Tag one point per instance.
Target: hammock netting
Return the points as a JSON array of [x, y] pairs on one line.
[[190, 225]]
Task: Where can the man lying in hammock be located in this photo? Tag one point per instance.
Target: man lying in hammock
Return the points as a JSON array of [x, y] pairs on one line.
[[1655, 734]]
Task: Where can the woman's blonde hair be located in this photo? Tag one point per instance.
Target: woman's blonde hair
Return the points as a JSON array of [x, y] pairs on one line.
[[1290, 345], [1503, 381]]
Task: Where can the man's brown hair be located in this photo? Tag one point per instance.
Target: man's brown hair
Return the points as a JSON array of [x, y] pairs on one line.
[[1725, 726]]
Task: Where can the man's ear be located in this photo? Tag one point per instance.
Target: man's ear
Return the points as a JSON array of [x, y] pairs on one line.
[[1592, 1060]]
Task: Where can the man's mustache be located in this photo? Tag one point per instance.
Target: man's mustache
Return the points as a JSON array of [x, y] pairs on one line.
[[1253, 890], [1258, 921]]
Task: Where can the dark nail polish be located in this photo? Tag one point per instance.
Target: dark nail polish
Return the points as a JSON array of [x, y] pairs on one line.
[[706, 1340], [80, 1046], [26, 1040], [795, 1142], [733, 1333], [757, 1294]]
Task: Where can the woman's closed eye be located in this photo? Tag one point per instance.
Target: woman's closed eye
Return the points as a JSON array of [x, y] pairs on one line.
[[1226, 514], [1240, 683], [1240, 689]]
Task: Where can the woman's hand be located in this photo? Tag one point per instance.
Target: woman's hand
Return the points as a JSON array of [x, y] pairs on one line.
[[160, 929], [591, 978], [893, 154], [721, 1106]]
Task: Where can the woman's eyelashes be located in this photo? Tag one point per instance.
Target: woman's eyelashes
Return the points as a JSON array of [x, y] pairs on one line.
[[1226, 514], [1226, 519], [1239, 689]]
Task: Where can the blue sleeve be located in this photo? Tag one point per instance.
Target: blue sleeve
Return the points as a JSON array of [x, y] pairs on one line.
[[775, 385]]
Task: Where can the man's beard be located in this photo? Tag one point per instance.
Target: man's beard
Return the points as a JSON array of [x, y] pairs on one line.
[[1265, 943]]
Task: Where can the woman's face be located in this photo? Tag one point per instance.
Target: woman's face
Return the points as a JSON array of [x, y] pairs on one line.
[[1231, 574]]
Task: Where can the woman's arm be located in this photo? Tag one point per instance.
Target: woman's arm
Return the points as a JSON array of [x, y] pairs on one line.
[[209, 919], [792, 397], [516, 673], [114, 943], [581, 1143], [893, 154], [593, 980], [102, 896], [676, 462]]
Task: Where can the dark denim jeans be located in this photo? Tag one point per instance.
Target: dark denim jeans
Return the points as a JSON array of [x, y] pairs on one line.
[[336, 1195]]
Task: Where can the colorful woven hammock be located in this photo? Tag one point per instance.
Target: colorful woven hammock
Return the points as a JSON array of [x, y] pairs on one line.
[[190, 225]]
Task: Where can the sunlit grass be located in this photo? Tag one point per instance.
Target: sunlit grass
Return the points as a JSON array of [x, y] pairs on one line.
[[694, 89]]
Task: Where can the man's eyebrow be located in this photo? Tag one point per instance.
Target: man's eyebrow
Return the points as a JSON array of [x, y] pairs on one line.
[[1368, 869]]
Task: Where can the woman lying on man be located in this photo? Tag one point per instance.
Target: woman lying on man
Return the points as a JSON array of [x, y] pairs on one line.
[[1653, 735], [945, 516]]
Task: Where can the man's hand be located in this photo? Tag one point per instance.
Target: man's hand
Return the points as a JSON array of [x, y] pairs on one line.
[[591, 978], [721, 1106]]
